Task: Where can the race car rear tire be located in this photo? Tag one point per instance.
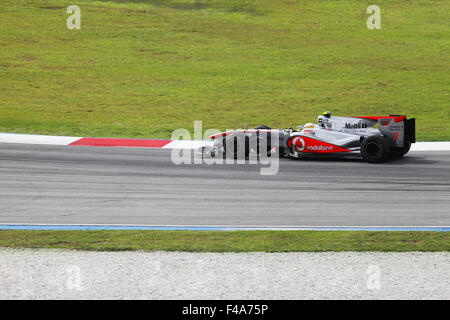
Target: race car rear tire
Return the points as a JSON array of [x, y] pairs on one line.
[[400, 152], [236, 146], [263, 128], [376, 149]]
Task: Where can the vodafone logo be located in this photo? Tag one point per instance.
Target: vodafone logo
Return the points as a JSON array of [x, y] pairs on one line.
[[314, 146], [299, 144], [320, 148]]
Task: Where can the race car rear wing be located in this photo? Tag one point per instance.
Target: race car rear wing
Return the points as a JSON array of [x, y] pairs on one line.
[[398, 129], [410, 130]]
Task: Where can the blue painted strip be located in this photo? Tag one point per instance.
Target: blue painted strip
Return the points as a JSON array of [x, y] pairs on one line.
[[438, 229], [206, 228]]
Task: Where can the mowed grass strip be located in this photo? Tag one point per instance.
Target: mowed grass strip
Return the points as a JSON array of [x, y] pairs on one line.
[[231, 241], [142, 68]]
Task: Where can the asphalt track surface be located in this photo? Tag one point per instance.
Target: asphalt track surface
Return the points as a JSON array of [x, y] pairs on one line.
[[92, 185]]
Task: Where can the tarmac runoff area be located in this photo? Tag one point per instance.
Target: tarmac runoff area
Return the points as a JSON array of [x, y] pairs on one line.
[[66, 274]]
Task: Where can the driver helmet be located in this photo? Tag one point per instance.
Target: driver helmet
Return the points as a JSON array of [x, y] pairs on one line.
[[309, 127]]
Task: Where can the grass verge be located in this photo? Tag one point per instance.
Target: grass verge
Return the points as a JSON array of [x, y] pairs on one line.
[[235, 241], [142, 68]]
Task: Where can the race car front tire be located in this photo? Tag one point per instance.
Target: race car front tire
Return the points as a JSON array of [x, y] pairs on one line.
[[236, 146], [376, 149], [267, 141]]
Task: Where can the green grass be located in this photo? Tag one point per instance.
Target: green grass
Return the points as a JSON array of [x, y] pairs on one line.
[[235, 241], [143, 68]]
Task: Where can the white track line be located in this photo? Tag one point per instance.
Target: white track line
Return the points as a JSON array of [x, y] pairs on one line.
[[187, 144], [431, 146], [37, 139]]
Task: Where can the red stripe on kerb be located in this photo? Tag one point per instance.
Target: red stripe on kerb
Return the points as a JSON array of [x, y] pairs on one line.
[[108, 142]]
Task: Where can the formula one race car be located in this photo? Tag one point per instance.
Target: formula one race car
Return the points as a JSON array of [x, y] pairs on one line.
[[375, 139]]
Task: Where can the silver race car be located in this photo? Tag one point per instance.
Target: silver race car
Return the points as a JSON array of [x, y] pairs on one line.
[[375, 139]]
